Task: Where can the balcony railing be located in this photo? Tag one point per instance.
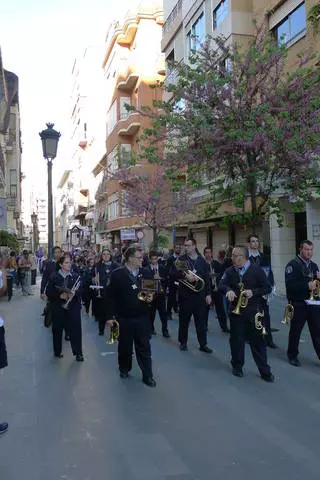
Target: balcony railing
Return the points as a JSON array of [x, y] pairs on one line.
[[173, 15]]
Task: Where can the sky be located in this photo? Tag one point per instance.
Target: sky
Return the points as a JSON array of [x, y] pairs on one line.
[[39, 42]]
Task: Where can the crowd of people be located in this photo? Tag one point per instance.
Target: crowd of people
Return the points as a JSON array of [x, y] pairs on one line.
[[129, 287]]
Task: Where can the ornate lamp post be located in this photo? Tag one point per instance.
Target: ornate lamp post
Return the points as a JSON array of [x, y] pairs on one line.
[[34, 220], [50, 139]]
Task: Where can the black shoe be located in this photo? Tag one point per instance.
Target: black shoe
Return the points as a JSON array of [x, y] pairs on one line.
[[149, 381], [59, 356], [124, 374], [183, 347], [267, 377], [237, 372], [3, 427], [295, 362], [79, 358], [67, 338], [205, 349], [165, 334], [272, 345]]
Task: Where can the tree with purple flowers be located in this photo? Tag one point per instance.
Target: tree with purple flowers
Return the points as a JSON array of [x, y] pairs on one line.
[[242, 127]]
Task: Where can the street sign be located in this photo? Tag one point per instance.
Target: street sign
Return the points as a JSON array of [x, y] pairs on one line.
[[140, 235], [128, 234]]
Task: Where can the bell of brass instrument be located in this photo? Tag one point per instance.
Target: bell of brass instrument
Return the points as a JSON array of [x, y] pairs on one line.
[[114, 333], [196, 286], [315, 293], [288, 314], [258, 323], [242, 301]]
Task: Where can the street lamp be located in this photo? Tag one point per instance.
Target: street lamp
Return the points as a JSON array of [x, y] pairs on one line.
[[50, 139], [34, 218]]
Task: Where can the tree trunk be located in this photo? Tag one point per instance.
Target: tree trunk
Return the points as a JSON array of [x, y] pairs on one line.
[[155, 237]]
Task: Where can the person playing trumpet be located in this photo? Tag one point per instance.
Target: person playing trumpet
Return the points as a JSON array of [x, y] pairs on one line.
[[244, 285], [301, 276], [62, 317]]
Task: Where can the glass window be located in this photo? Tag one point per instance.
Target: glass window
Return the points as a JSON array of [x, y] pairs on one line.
[[292, 27], [220, 13], [197, 35]]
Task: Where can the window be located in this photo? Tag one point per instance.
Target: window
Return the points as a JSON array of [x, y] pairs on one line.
[[220, 13], [197, 34], [113, 161], [112, 117], [292, 27], [125, 209], [113, 207], [13, 182], [123, 111], [125, 155]]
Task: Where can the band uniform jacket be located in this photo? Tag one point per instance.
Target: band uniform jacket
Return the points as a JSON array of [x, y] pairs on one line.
[[53, 292], [200, 268], [49, 269], [297, 276], [253, 279], [121, 295], [265, 263]]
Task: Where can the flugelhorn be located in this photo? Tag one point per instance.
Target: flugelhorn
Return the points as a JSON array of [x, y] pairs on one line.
[[114, 333], [288, 314], [258, 323], [196, 286], [242, 301]]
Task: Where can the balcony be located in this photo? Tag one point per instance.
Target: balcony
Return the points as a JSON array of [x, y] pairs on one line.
[[11, 202], [129, 125], [129, 81], [102, 190], [171, 25], [101, 226]]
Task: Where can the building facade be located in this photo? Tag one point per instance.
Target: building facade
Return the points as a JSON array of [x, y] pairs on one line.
[[132, 63], [233, 19]]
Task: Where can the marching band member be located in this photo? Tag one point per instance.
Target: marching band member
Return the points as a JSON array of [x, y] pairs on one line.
[[193, 302], [172, 287], [217, 297], [158, 271], [301, 275], [255, 256], [133, 315], [63, 317], [247, 281], [103, 270]]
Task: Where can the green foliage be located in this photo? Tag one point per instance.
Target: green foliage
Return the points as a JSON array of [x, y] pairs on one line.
[[163, 241], [9, 240], [314, 17]]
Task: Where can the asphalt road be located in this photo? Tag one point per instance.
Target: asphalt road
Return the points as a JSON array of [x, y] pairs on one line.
[[80, 421]]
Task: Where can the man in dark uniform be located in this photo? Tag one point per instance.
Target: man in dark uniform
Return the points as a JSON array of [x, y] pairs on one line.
[[191, 302], [172, 287], [49, 269], [157, 271], [257, 257], [215, 268], [300, 276], [133, 315], [252, 280]]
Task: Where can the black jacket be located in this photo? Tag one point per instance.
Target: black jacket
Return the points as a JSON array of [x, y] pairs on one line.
[[254, 279], [148, 273], [200, 268], [53, 293], [265, 263], [49, 269], [121, 298], [297, 277]]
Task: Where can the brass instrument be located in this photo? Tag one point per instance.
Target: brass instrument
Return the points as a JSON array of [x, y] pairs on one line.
[[242, 301], [114, 333], [213, 277], [258, 323], [196, 286], [97, 287], [148, 290], [73, 290], [315, 293], [288, 314]]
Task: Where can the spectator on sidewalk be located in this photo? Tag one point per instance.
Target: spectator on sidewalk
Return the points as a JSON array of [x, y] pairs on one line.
[[24, 265]]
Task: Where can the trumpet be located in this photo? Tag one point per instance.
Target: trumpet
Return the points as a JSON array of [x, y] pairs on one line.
[[114, 333], [73, 290], [98, 283], [258, 323], [196, 286], [315, 293], [242, 301], [148, 290], [288, 314]]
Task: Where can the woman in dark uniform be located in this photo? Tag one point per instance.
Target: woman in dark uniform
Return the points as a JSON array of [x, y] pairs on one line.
[[66, 318]]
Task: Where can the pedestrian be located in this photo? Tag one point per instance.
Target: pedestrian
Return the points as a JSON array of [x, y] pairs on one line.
[[64, 292], [24, 265], [123, 304], [3, 349]]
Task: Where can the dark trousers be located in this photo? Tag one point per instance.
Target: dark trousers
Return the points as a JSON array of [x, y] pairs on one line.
[[3, 349], [70, 322], [172, 298], [217, 298], [242, 328], [86, 298], [135, 330], [9, 287], [303, 314], [159, 303], [99, 312], [195, 305]]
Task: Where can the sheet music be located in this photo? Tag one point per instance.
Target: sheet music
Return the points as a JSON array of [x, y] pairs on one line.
[[313, 302]]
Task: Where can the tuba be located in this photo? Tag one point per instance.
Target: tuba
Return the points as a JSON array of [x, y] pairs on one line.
[[258, 323], [242, 301], [196, 286], [288, 314], [114, 333]]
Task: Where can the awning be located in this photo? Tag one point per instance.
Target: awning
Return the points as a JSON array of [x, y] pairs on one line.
[[89, 216]]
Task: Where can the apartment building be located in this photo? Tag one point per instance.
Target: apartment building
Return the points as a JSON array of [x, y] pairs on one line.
[[132, 62], [287, 19], [10, 152]]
